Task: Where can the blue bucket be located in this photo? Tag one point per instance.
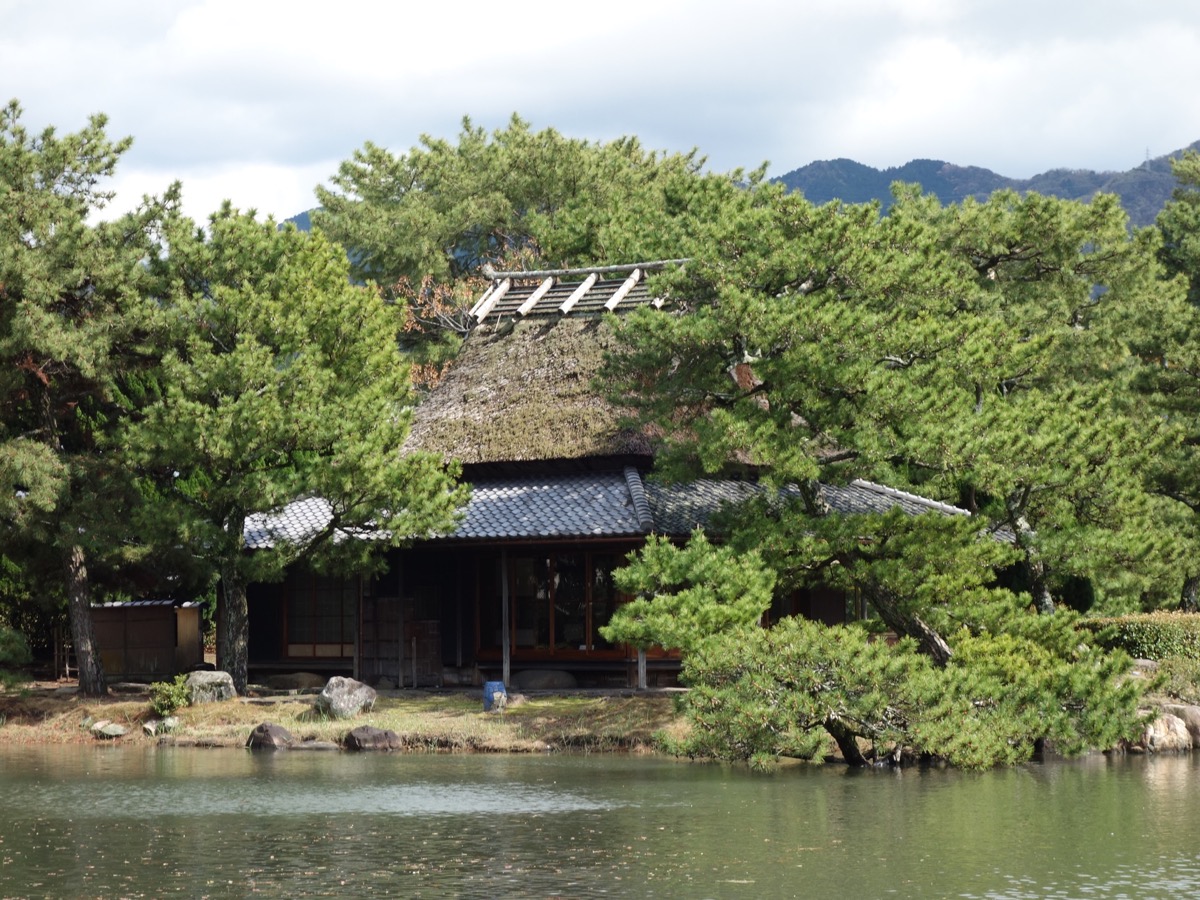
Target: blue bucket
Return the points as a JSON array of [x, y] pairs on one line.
[[494, 695]]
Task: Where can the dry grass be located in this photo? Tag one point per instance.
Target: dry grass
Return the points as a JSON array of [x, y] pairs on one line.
[[425, 721], [624, 722]]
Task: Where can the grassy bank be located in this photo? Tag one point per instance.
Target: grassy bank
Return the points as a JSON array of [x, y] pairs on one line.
[[425, 720]]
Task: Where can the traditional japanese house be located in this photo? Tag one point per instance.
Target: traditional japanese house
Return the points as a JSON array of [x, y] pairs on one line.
[[559, 496]]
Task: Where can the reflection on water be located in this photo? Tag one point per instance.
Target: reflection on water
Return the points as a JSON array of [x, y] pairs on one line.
[[111, 822]]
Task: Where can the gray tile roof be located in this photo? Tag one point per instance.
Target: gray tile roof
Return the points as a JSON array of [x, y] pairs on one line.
[[597, 505], [605, 504], [866, 497], [680, 509], [296, 523]]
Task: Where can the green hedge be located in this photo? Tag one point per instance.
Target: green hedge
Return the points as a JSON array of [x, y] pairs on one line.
[[1157, 635]]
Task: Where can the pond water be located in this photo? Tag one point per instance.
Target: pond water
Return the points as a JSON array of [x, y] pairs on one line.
[[101, 821]]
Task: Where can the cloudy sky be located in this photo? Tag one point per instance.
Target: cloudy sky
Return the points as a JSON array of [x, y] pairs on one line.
[[258, 101]]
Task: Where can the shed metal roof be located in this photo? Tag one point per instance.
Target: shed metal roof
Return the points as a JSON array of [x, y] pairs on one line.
[[156, 603]]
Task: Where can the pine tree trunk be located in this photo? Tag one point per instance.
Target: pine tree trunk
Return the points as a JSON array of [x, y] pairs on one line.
[[1043, 600], [233, 643], [83, 635], [846, 740], [1189, 597], [906, 624], [1035, 567]]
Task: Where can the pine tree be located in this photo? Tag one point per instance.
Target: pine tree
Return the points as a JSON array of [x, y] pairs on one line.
[[685, 595], [1171, 375], [981, 355], [283, 381], [74, 303], [974, 354]]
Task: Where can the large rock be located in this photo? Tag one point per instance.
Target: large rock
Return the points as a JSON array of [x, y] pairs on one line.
[[544, 680], [154, 727], [109, 731], [1190, 715], [345, 698], [269, 736], [210, 687], [1167, 734], [365, 737]]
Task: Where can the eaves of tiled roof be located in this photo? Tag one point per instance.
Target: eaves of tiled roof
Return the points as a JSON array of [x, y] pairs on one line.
[[296, 523], [591, 506], [679, 509], [558, 506], [866, 497], [301, 522]]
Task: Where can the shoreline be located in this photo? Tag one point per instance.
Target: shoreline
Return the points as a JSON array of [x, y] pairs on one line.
[[425, 720]]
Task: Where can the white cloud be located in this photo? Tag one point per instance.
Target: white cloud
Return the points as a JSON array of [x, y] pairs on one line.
[[276, 190], [257, 100]]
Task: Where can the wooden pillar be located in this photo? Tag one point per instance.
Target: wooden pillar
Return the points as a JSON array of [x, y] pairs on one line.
[[506, 626], [458, 614], [220, 620], [400, 623], [358, 627]]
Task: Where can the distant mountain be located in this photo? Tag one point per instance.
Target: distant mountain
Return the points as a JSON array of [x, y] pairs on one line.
[[302, 221], [1143, 190]]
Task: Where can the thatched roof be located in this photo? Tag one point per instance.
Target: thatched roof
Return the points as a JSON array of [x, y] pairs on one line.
[[524, 385], [524, 391]]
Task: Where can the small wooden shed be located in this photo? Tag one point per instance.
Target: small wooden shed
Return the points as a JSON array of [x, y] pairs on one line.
[[148, 639]]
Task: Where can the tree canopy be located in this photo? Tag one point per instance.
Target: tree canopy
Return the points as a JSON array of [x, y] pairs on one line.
[[75, 305], [975, 354], [1179, 222], [1170, 382], [421, 224], [444, 209], [162, 382], [282, 380], [984, 355], [685, 595]]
